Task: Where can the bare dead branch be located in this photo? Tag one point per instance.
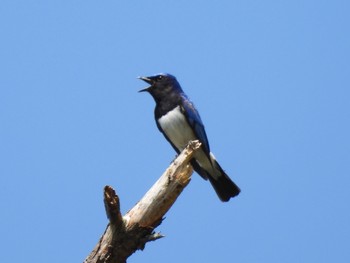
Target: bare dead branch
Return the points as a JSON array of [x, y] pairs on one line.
[[126, 234]]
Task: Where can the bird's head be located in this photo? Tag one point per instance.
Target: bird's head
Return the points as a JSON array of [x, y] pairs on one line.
[[161, 85]]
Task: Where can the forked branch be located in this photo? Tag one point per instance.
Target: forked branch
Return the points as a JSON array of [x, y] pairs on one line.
[[126, 234]]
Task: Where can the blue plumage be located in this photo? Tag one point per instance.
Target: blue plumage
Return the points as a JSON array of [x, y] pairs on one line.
[[195, 122], [179, 121]]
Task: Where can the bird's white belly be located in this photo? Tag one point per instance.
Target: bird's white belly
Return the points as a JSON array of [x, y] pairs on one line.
[[176, 128]]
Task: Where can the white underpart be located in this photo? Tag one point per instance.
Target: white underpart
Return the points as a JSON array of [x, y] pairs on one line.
[[177, 129]]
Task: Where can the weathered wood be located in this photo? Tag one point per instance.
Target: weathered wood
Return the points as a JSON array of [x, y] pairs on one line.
[[126, 234]]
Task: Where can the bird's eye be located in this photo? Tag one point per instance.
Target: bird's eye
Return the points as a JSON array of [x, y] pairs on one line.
[[160, 77]]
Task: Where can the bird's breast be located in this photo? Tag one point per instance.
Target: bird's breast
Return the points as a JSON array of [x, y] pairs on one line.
[[175, 126]]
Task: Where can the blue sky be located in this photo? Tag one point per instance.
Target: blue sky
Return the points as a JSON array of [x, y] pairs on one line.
[[271, 82]]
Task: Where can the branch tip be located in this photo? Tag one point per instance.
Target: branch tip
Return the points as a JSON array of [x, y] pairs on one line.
[[112, 205], [194, 145]]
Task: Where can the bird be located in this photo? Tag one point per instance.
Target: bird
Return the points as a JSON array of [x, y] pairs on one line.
[[178, 120]]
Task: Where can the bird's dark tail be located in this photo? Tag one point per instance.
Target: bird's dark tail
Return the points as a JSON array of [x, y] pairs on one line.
[[224, 187]]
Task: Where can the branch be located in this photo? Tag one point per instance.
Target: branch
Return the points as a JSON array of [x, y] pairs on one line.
[[126, 234]]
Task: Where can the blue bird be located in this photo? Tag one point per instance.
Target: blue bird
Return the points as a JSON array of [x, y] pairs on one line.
[[179, 121]]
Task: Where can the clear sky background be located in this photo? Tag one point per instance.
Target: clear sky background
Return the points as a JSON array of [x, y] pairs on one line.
[[269, 78]]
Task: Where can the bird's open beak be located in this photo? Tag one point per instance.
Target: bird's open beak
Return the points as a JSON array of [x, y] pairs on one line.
[[148, 80]]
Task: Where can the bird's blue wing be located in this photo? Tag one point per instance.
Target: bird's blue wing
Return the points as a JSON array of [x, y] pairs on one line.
[[195, 121]]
